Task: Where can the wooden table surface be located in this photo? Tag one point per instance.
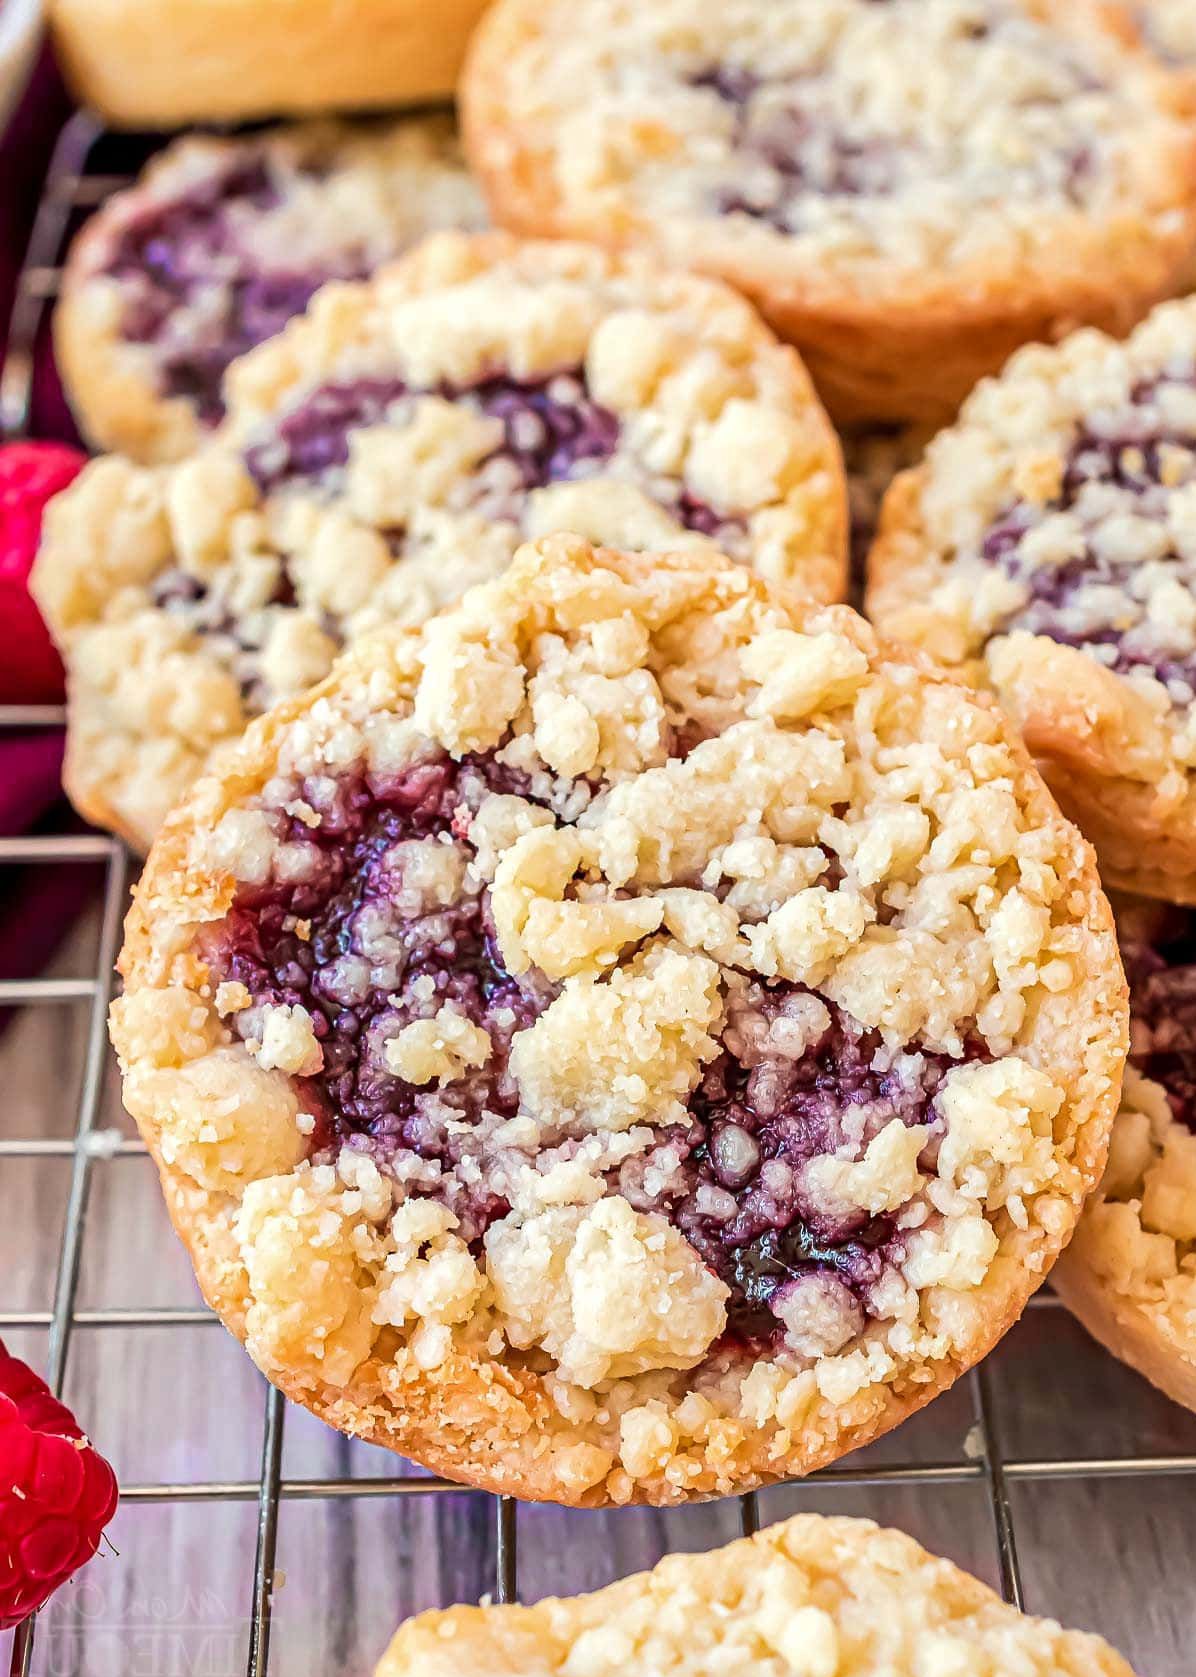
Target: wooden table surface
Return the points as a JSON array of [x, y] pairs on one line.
[[184, 1404]]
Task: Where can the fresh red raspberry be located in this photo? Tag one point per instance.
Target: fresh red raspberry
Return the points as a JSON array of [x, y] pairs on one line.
[[56, 1493], [30, 473]]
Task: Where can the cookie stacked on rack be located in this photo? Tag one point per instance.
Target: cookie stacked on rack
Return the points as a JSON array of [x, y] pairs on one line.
[[394, 446], [611, 1025], [810, 1596], [1046, 548]]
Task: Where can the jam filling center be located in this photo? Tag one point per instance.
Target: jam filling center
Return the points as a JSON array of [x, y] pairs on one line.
[[187, 254], [1095, 599], [1162, 979], [552, 431], [550, 426], [361, 934], [791, 143]]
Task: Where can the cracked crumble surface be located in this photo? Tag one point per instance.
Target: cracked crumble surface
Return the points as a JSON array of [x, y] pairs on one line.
[[1136, 1242], [219, 244], [1047, 545], [393, 447], [809, 1597], [639, 991]]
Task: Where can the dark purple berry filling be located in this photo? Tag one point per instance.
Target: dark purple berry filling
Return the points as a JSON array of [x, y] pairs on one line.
[[841, 166], [740, 1194], [1162, 977], [345, 938], [1147, 461], [552, 430], [782, 123], [186, 252], [340, 944], [734, 83], [208, 614], [544, 436]]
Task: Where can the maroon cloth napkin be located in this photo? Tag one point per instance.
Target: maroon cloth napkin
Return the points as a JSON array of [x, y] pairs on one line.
[[30, 778], [25, 148], [38, 902]]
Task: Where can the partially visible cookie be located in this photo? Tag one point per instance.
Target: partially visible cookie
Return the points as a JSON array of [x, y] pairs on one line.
[[811, 1597], [167, 63], [217, 245], [636, 1039], [1130, 1272], [395, 446], [819, 155], [1047, 546]]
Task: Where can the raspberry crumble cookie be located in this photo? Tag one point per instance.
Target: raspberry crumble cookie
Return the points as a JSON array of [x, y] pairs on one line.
[[818, 155], [1130, 1272], [811, 1597], [166, 63], [218, 245], [635, 1040], [1047, 545], [395, 445]]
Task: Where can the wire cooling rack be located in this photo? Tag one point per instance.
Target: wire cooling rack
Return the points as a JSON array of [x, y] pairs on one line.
[[88, 165]]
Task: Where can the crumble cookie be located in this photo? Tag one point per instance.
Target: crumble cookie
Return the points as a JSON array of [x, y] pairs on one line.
[[1047, 546], [811, 1597], [167, 63], [1130, 1272], [637, 1039], [818, 155], [218, 245], [395, 445]]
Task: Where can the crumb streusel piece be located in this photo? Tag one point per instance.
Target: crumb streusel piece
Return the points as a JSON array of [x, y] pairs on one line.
[[1047, 546], [637, 1038], [395, 445], [1130, 1272], [819, 155], [811, 1597], [218, 245], [1169, 27]]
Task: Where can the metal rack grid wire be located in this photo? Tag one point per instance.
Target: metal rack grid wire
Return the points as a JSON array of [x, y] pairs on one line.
[[74, 185]]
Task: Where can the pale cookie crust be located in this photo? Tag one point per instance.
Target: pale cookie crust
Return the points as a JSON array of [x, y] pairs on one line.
[[1130, 1272], [817, 154], [634, 1040], [811, 1597], [217, 243], [395, 445], [166, 63], [1047, 546]]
